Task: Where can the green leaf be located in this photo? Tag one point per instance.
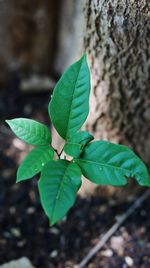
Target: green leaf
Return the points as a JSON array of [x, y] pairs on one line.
[[34, 162], [30, 131], [58, 185], [69, 106], [107, 163], [75, 144]]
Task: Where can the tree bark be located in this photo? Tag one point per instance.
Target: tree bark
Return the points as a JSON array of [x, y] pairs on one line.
[[117, 43]]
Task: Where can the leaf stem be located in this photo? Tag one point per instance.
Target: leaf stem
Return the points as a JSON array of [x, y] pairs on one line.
[[57, 153], [61, 151]]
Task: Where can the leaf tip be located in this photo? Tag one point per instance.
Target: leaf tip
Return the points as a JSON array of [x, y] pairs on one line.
[[18, 179], [84, 55], [8, 121]]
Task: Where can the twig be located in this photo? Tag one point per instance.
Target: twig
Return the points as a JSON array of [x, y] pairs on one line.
[[61, 151], [113, 229], [57, 153]]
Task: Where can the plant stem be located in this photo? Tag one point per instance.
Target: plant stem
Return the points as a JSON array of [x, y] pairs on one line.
[[61, 151], [57, 153]]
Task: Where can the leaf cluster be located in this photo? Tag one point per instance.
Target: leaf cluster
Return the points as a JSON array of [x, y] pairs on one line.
[[102, 162]]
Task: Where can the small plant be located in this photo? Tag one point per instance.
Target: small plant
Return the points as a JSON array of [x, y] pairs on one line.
[[101, 162]]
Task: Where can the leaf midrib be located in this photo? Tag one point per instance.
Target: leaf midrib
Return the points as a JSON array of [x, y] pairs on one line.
[[58, 194], [26, 130], [43, 152], [106, 165], [70, 110]]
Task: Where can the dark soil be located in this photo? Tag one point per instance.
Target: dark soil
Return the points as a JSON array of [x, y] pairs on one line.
[[24, 229]]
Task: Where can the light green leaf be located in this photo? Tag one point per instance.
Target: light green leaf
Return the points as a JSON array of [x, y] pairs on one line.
[[58, 186], [34, 162], [75, 144], [30, 131], [69, 106], [106, 163]]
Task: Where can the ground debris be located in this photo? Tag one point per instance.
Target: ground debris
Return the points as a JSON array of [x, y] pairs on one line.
[[90, 217]]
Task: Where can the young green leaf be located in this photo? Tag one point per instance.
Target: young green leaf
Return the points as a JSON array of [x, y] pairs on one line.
[[59, 182], [106, 163], [69, 106], [34, 162], [30, 131], [75, 144]]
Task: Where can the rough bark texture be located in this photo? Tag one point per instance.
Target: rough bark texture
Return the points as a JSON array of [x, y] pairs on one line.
[[118, 44]]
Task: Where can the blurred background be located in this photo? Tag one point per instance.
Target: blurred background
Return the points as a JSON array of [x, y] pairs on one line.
[[39, 39]]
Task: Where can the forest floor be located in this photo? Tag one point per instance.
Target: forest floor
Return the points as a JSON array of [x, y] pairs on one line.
[[24, 229]]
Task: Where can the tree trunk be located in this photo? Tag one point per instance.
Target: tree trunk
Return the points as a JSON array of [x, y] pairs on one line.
[[117, 43]]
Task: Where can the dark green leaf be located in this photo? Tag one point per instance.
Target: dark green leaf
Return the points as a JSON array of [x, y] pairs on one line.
[[34, 162], [107, 163], [30, 131], [69, 106], [58, 185], [75, 144]]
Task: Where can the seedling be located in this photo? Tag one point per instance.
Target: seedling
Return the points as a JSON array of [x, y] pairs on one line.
[[102, 162]]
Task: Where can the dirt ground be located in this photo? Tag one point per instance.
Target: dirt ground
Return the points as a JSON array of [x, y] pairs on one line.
[[24, 229]]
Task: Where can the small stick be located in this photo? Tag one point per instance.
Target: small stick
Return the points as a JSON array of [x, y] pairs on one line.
[[113, 229]]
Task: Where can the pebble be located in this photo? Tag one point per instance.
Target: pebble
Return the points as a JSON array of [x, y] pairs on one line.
[[112, 202], [16, 232], [107, 253], [20, 263], [117, 243], [129, 261], [54, 254], [102, 208], [21, 243], [30, 210], [54, 230]]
